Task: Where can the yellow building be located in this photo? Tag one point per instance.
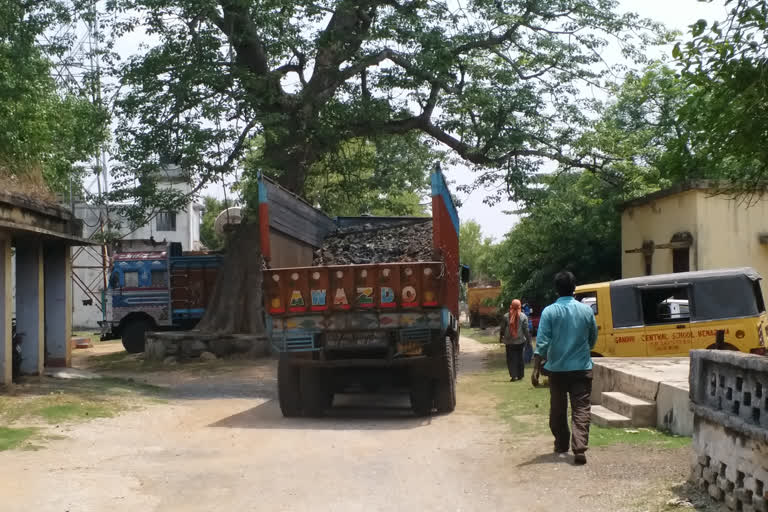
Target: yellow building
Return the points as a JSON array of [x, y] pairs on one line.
[[691, 227]]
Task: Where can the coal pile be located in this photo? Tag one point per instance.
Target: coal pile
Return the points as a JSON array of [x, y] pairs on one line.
[[367, 244]]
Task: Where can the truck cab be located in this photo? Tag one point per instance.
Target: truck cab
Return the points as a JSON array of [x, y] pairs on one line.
[[157, 290]]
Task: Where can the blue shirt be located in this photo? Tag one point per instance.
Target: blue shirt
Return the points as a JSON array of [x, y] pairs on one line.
[[567, 334]]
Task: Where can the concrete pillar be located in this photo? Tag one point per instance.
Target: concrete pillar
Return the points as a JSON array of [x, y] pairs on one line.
[[58, 306], [6, 299], [30, 306]]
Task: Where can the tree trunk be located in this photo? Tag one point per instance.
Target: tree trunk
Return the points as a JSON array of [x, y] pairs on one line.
[[236, 306]]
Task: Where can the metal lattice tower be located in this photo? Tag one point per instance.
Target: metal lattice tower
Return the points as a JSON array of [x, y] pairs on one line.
[[77, 71]]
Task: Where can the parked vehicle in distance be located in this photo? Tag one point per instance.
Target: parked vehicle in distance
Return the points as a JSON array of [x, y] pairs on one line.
[[670, 314], [157, 290], [483, 302]]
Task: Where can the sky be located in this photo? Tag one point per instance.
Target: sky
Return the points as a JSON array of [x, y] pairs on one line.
[[674, 14]]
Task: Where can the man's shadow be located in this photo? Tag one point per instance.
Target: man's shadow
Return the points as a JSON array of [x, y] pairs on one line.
[[548, 458]]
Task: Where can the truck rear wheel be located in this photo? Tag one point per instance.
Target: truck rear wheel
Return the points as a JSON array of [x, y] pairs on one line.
[[445, 395], [134, 335], [422, 396], [316, 394], [288, 391]]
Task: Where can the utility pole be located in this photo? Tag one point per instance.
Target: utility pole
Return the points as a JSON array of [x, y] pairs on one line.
[[79, 72]]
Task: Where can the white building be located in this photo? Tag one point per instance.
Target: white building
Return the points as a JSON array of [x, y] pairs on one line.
[[88, 277]]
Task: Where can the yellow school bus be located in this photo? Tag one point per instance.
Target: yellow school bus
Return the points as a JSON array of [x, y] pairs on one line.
[[668, 315]]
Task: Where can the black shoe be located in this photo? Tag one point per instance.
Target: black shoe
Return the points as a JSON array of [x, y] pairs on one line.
[[579, 459]]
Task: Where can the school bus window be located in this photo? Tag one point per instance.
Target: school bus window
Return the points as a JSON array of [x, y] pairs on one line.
[[665, 305], [758, 296], [588, 298]]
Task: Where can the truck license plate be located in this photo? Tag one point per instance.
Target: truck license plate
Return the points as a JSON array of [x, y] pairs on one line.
[[355, 339]]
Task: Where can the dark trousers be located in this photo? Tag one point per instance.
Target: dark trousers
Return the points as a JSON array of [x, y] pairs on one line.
[[579, 386], [515, 363]]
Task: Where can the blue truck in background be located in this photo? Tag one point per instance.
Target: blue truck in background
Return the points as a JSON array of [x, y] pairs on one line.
[[158, 290]]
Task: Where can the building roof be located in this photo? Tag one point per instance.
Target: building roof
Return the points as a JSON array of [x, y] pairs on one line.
[[27, 217], [671, 191]]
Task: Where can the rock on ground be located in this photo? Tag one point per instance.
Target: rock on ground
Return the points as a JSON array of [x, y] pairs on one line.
[[208, 356]]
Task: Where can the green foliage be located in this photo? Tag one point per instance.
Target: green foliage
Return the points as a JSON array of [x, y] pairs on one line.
[[477, 251], [725, 65], [573, 225], [497, 82], [382, 176], [42, 126], [647, 146], [212, 208]]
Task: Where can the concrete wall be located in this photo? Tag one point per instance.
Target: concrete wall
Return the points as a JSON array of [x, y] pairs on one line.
[[728, 233], [6, 271], [658, 221], [730, 437]]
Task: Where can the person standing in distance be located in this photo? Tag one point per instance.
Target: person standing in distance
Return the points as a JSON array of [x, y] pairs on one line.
[[515, 336], [567, 334]]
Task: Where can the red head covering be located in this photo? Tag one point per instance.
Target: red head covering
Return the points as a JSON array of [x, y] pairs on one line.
[[514, 317]]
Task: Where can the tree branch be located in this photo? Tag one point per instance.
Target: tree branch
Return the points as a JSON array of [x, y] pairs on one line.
[[476, 156], [243, 36], [519, 72], [238, 147], [339, 41]]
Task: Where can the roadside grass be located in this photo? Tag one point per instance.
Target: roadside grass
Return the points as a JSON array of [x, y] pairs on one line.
[[525, 409], [123, 362], [27, 409], [484, 336], [11, 438]]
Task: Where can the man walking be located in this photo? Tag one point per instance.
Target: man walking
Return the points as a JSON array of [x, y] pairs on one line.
[[567, 334]]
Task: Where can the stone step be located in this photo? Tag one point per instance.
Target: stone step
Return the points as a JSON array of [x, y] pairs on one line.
[[641, 412], [606, 418]]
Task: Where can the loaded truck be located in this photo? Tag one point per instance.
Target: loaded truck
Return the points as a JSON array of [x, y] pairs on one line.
[[390, 321], [483, 302], [160, 290]]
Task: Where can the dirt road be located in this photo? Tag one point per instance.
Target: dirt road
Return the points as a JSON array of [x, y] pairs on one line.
[[220, 443]]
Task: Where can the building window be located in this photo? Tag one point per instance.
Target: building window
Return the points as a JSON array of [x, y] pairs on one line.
[[681, 255], [681, 260], [166, 221], [665, 305]]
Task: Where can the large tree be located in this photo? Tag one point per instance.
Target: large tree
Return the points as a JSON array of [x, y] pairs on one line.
[[725, 64], [575, 225], [495, 81], [45, 130], [386, 175]]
